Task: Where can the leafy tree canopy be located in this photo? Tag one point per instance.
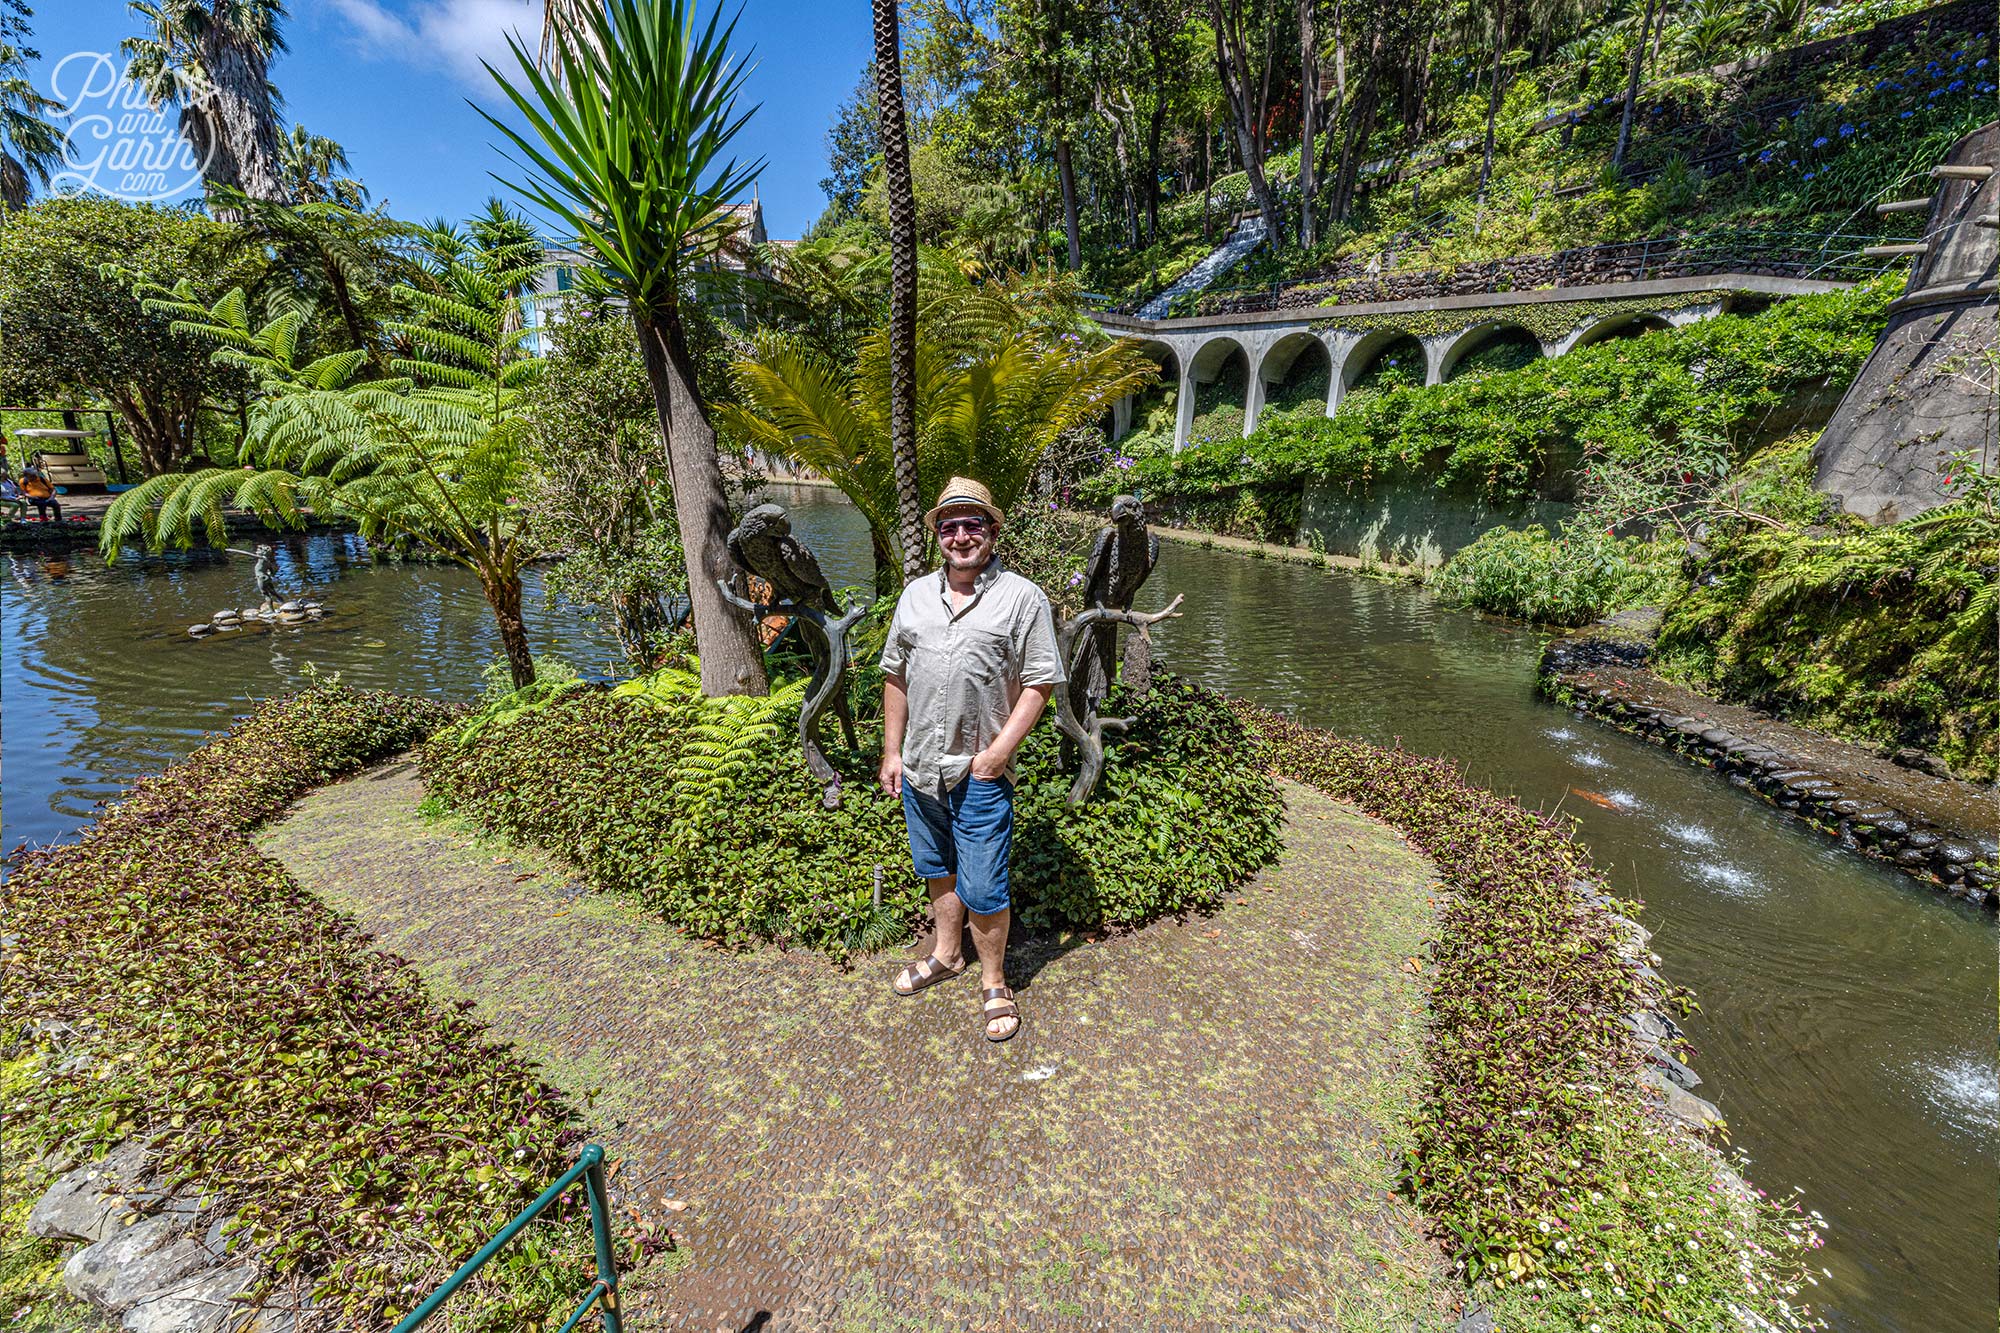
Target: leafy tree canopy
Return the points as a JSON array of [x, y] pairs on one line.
[[74, 330]]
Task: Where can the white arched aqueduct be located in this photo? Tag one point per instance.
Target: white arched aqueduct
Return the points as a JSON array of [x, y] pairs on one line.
[[1194, 352], [1192, 357]]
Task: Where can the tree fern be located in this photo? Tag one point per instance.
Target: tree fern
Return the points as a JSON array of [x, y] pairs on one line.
[[726, 740], [431, 455]]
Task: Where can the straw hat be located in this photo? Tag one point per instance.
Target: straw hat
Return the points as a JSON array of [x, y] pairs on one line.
[[965, 491]]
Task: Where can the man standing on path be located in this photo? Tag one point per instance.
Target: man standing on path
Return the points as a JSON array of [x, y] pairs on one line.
[[970, 664]]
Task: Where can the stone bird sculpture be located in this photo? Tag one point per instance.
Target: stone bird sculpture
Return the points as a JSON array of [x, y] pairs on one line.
[[1120, 561], [764, 545]]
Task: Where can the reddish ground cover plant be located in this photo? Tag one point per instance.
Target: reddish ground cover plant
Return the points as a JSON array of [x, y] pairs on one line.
[[366, 1136], [1574, 1205]]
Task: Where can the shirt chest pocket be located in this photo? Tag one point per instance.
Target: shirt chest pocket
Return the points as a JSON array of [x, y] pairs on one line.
[[984, 655]]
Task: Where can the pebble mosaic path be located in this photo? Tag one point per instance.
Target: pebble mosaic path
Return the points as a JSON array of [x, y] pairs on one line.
[[1194, 1130]]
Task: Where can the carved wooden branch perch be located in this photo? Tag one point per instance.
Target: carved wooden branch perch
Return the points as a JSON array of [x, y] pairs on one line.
[[1087, 731], [826, 640]]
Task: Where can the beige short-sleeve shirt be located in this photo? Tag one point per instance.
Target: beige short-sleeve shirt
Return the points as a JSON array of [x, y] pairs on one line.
[[964, 670]]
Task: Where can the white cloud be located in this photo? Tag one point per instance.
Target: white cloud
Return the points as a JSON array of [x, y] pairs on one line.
[[453, 34]]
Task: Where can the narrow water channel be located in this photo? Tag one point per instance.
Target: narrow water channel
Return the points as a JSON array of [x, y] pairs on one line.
[[1847, 1013]]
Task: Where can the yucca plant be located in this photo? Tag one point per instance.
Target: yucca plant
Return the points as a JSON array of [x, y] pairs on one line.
[[628, 120], [996, 381], [430, 454]]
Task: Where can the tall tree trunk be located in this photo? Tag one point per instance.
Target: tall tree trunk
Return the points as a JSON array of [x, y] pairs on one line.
[[732, 661], [902, 284], [1207, 171], [1153, 130], [1308, 103], [162, 432], [242, 130], [1492, 104], [1631, 92], [1232, 64], [503, 594], [1066, 173], [1360, 125], [1115, 116]]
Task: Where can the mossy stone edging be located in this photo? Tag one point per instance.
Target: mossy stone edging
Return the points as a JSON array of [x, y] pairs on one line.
[[1568, 673]]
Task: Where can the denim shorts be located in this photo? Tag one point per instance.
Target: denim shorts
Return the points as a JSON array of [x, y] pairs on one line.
[[968, 834]]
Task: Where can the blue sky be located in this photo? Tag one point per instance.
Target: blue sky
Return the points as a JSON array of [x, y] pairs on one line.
[[390, 80]]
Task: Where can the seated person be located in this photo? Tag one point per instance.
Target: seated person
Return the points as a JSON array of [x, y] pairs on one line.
[[41, 492], [13, 502]]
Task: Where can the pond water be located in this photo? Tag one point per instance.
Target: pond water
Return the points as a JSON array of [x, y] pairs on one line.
[[1847, 1013]]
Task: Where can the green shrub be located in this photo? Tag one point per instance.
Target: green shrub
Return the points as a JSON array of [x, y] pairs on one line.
[[1534, 576], [367, 1137], [1183, 813], [1572, 578]]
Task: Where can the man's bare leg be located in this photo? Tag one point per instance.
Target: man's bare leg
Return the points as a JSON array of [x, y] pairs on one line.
[[989, 936], [948, 944]]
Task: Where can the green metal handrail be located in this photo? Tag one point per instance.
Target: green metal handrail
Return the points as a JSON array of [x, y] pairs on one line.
[[603, 1293]]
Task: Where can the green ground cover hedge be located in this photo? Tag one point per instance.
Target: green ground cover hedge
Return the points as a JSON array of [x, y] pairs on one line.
[[614, 783], [1531, 1150], [368, 1137]]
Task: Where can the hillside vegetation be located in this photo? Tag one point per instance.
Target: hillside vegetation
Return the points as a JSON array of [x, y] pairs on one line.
[[1126, 141]]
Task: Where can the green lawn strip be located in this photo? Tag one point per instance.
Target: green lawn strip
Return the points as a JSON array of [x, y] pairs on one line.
[[1575, 1205], [367, 1136], [1216, 1119]]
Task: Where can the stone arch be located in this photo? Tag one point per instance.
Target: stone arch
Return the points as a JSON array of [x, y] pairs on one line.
[[1205, 364], [1213, 355], [1363, 353], [1481, 335], [1289, 365], [1127, 411], [1629, 325]]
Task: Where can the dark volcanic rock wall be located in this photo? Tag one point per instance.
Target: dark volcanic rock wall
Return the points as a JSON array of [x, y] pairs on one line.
[[1927, 390]]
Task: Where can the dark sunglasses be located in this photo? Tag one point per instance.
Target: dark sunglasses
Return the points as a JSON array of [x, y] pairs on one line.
[[951, 527]]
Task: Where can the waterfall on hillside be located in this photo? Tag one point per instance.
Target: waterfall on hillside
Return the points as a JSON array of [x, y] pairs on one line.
[[1208, 270]]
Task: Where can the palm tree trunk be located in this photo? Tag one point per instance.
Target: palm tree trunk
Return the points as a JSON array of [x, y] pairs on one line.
[[902, 284], [1631, 91], [503, 594], [239, 118], [13, 183], [732, 661]]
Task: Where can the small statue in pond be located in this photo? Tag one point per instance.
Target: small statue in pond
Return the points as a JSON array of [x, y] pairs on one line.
[[763, 545], [265, 571], [1120, 561]]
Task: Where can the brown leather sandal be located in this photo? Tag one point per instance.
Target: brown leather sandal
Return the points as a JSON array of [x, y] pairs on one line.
[[992, 1013], [928, 972]]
